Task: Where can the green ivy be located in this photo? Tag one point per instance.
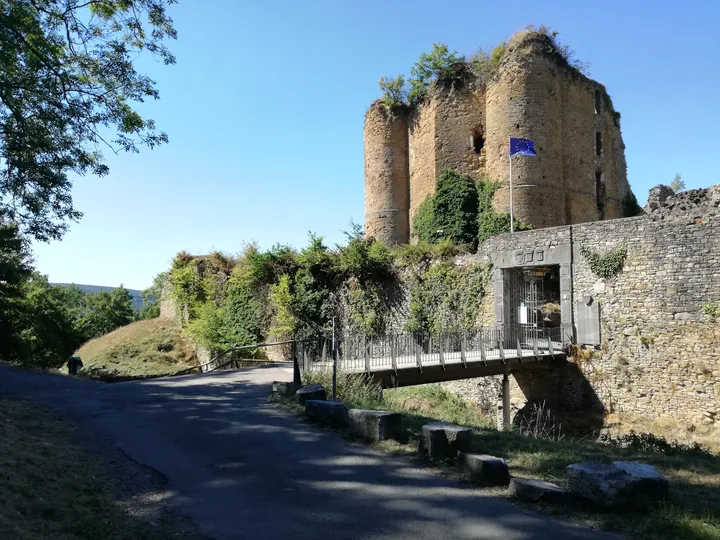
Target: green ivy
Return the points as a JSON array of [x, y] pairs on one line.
[[447, 297], [607, 265], [490, 222], [451, 213]]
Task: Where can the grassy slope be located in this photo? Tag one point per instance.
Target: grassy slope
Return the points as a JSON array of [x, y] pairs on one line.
[[691, 513], [142, 349], [51, 488]]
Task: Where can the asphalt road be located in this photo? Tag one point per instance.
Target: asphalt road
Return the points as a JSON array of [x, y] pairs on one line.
[[242, 468]]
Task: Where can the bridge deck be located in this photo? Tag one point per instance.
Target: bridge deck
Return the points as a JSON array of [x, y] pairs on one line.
[[422, 368]]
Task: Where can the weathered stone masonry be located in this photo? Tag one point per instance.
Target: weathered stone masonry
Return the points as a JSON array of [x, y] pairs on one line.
[[658, 354], [579, 174]]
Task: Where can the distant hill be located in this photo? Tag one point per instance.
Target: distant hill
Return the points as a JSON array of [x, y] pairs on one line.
[[92, 289]]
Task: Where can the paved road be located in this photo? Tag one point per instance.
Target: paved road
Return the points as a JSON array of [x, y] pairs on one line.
[[242, 468]]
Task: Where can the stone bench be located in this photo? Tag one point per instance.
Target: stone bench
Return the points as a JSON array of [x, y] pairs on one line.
[[527, 489], [284, 388], [622, 483], [311, 391], [442, 440], [487, 469], [331, 413], [374, 425]]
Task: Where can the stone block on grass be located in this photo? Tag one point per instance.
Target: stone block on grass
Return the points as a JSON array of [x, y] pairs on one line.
[[442, 440], [374, 425], [284, 388], [527, 489], [619, 484], [311, 391], [647, 481], [487, 469], [330, 413]]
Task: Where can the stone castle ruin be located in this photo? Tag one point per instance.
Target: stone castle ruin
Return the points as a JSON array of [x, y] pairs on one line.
[[579, 174]]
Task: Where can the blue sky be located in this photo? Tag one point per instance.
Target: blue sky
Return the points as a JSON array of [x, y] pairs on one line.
[[265, 106]]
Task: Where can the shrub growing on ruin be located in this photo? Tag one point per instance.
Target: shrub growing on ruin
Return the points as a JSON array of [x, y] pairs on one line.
[[451, 213]]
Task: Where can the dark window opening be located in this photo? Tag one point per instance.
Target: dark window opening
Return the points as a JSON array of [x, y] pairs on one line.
[[600, 193], [597, 101], [517, 126], [478, 141], [598, 143]]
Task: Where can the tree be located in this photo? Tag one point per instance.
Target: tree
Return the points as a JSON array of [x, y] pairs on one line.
[[106, 311], [15, 269], [152, 296], [677, 184], [67, 85], [438, 64]]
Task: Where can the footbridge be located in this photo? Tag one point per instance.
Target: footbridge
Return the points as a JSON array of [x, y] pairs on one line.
[[406, 359]]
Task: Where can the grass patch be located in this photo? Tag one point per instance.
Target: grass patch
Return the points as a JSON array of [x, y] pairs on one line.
[[52, 488], [140, 350], [692, 511]]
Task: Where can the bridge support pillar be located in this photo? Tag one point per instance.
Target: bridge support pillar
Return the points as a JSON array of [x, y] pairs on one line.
[[506, 402]]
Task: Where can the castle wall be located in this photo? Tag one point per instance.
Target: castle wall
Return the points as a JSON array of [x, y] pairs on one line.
[[386, 175], [534, 95], [659, 354], [422, 141]]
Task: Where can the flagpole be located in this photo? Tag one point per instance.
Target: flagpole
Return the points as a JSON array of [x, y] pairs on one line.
[[512, 219]]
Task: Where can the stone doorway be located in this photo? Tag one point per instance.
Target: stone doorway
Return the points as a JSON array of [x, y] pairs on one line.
[[533, 303]]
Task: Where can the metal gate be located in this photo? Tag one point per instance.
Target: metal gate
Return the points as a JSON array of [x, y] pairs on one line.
[[527, 297]]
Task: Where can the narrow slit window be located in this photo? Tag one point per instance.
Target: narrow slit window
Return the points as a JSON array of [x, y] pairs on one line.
[[598, 144], [597, 101]]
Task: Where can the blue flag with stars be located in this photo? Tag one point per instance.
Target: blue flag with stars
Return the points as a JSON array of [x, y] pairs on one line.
[[523, 147]]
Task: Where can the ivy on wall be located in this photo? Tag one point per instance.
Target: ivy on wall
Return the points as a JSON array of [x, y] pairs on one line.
[[605, 265]]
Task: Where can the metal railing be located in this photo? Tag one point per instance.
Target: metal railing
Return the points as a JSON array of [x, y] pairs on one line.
[[360, 353]]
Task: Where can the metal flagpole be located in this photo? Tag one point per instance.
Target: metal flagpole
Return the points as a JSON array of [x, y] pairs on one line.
[[512, 219]]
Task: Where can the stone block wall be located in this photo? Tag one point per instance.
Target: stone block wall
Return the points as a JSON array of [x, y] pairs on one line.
[[659, 353]]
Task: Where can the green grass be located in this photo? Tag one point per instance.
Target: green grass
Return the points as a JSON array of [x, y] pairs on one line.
[[50, 488], [143, 349], [692, 511]]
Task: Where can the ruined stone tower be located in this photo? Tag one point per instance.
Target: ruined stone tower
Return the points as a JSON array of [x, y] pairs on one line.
[[579, 173]]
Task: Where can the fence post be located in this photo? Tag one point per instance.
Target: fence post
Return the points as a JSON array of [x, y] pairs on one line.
[[535, 348], [519, 349], [463, 347], [442, 353], [482, 347], [297, 378], [418, 353], [393, 353], [334, 359], [366, 354]]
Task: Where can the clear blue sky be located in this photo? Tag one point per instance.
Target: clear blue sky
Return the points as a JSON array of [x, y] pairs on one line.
[[265, 106]]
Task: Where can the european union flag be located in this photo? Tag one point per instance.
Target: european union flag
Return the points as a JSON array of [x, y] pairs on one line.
[[524, 147]]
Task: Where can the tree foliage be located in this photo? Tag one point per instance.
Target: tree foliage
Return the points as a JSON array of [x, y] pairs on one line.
[[67, 89], [490, 222], [678, 184]]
